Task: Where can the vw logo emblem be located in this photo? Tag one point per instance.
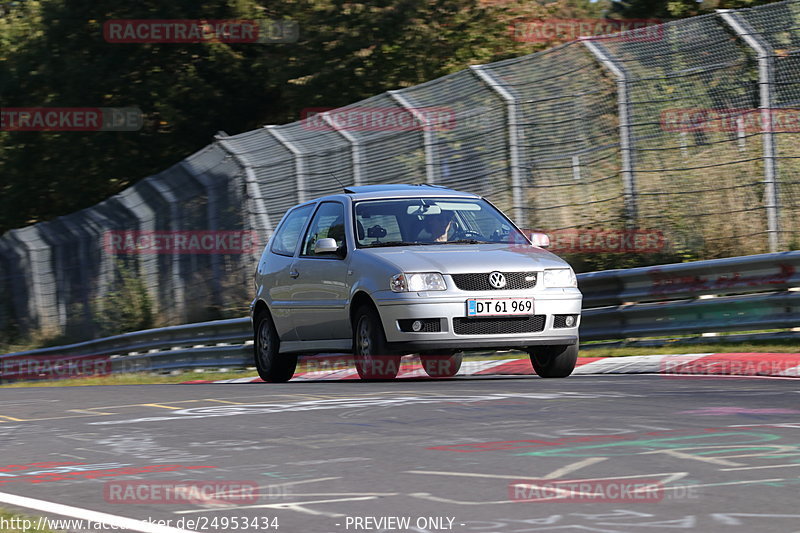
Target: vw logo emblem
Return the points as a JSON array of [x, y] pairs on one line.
[[497, 280]]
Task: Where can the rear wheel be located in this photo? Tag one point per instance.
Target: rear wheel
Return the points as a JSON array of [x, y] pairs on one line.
[[554, 361], [441, 365], [370, 351], [271, 366]]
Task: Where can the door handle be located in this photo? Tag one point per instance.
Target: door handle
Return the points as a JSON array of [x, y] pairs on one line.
[[294, 273]]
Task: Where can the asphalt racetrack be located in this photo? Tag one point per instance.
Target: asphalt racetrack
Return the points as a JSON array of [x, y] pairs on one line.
[[505, 454]]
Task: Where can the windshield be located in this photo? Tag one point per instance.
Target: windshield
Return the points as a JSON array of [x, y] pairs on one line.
[[425, 221]]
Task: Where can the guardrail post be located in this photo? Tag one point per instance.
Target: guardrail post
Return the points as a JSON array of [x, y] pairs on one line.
[[354, 143], [512, 122], [766, 79], [625, 134], [428, 137], [299, 162]]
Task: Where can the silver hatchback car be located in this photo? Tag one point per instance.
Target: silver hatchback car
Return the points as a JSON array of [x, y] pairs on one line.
[[381, 271]]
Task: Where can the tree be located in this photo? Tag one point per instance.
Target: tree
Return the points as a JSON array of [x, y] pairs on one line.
[[52, 54]]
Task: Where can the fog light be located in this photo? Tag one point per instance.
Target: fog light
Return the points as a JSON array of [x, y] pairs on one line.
[[569, 321], [416, 325]]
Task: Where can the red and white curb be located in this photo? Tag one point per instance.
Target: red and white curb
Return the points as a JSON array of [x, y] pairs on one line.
[[785, 365]]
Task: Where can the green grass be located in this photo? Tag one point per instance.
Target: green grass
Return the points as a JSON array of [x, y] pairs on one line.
[[757, 347]]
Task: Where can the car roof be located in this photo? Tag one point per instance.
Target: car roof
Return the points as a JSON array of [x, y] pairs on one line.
[[364, 192]]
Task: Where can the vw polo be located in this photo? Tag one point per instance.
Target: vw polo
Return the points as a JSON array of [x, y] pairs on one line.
[[385, 270]]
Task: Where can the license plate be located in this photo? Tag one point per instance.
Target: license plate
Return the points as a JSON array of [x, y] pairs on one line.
[[499, 306]]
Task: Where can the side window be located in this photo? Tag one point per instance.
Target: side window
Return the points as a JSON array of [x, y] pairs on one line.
[[328, 223], [285, 239]]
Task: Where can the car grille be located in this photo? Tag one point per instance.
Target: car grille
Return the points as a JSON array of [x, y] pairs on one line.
[[495, 326], [480, 282]]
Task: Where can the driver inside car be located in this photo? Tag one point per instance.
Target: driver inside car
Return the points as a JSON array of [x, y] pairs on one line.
[[440, 227]]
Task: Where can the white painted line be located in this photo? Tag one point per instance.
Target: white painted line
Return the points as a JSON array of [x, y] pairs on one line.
[[759, 467], [242, 380], [412, 373], [85, 514], [326, 374], [637, 364], [473, 367], [795, 371], [564, 470], [746, 482]]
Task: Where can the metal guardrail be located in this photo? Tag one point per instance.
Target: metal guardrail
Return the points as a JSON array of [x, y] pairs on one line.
[[739, 294], [736, 275]]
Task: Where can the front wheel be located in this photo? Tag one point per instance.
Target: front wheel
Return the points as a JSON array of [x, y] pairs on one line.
[[271, 366], [370, 351], [441, 365], [554, 361]]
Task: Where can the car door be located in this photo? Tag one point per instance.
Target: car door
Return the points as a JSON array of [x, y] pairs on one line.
[[273, 277], [320, 288]]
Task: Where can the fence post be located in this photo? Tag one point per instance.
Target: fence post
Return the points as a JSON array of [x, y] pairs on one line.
[[251, 185], [625, 136], [765, 82], [175, 225], [354, 143], [512, 121], [40, 278], [428, 139], [133, 201], [85, 268], [299, 162]]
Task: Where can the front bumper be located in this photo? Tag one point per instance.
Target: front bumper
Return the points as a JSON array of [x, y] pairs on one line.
[[394, 307]]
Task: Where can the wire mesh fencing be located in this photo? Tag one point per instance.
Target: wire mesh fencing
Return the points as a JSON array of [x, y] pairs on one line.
[[687, 131]]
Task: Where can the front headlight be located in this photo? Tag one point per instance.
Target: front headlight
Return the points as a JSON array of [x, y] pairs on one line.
[[561, 277], [417, 281]]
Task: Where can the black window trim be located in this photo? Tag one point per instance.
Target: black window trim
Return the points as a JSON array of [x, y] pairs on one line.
[[446, 198], [298, 252]]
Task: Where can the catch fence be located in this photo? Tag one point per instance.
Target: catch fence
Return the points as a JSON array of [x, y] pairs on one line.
[[688, 129]]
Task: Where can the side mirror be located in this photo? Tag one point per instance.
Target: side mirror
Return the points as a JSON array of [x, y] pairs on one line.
[[540, 239], [325, 246]]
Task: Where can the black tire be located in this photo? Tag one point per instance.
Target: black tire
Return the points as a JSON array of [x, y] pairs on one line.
[[272, 367], [370, 351], [554, 361], [441, 365]]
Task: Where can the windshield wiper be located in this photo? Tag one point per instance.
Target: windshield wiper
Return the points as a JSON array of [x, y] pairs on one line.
[[469, 241]]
